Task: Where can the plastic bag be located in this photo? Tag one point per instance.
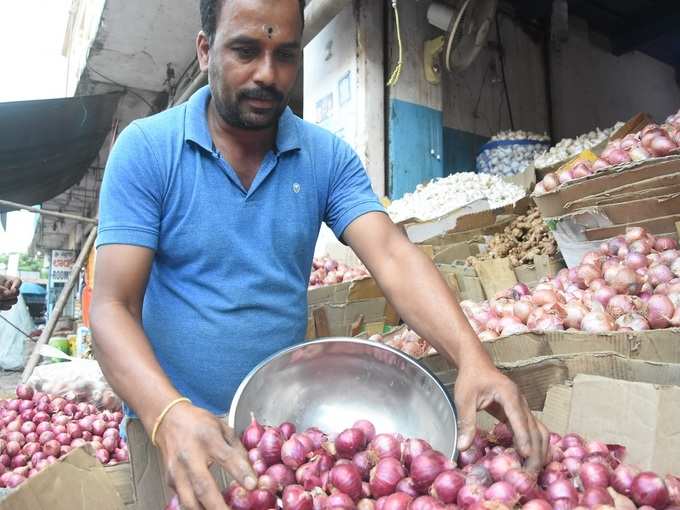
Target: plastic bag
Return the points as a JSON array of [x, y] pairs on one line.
[[81, 380], [13, 345]]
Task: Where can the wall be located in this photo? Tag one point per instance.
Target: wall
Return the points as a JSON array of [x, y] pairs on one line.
[[343, 68], [594, 88]]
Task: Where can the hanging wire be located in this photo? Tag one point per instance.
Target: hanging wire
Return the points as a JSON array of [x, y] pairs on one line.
[[394, 77]]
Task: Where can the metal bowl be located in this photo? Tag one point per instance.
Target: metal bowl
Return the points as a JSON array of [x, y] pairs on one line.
[[333, 382]]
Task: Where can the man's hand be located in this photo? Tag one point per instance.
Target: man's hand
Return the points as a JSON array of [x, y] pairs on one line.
[[191, 439], [9, 291], [488, 389]]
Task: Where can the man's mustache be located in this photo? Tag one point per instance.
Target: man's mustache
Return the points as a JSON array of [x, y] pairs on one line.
[[262, 93]]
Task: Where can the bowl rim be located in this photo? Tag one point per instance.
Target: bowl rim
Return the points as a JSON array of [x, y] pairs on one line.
[[241, 388]]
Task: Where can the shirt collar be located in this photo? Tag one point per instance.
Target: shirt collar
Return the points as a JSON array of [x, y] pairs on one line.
[[196, 124]]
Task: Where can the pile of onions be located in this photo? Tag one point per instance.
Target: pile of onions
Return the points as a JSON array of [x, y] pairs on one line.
[[389, 472], [328, 271], [36, 429], [632, 283], [406, 340], [652, 141]]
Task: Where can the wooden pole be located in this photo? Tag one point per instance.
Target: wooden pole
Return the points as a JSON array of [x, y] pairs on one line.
[[60, 304], [44, 212]]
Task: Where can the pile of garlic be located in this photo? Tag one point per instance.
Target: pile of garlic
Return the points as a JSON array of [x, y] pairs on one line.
[[570, 147], [510, 152], [446, 194], [519, 135]]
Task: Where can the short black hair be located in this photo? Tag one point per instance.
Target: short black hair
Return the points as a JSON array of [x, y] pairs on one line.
[[210, 12]]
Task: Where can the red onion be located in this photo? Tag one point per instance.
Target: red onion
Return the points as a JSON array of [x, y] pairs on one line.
[[501, 464], [24, 392], [406, 486], [661, 145], [266, 482], [470, 456], [396, 501], [237, 497], [366, 427], [425, 468], [673, 486], [550, 182], [604, 295], [659, 273], [413, 448], [13, 480], [363, 462], [649, 489], [477, 474], [388, 472], [537, 504], [544, 297], [520, 480], [594, 475], [447, 485], [251, 435], [270, 446], [292, 453], [385, 445], [349, 442], [340, 501], [572, 465], [502, 492], [347, 479], [425, 503], [296, 498], [52, 447], [470, 494], [65, 439], [287, 429], [596, 322], [262, 500], [578, 452], [562, 489], [575, 313], [659, 311], [626, 281], [324, 459], [596, 496], [282, 474]]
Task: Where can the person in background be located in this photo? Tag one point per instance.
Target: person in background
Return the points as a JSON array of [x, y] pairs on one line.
[[209, 214], [9, 291]]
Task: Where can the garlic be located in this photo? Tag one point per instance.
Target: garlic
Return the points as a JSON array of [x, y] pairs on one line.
[[570, 147], [500, 156], [446, 194]]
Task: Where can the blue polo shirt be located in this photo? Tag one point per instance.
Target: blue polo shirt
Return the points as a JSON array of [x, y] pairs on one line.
[[228, 284]]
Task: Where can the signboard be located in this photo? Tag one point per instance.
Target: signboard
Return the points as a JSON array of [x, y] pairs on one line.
[[62, 263]]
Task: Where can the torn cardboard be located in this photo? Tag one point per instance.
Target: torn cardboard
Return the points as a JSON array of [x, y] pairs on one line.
[[76, 482], [555, 203], [420, 230], [644, 417]]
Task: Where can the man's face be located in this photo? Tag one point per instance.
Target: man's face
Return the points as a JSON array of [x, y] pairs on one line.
[[253, 61]]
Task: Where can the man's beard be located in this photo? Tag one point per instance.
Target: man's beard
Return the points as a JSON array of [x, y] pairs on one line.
[[238, 114]]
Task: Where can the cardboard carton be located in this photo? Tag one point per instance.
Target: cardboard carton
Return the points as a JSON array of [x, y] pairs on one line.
[[420, 230], [76, 482]]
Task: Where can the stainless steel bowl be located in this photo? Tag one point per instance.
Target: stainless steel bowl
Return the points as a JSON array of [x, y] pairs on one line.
[[333, 382]]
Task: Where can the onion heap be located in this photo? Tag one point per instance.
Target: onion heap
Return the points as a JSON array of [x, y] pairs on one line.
[[524, 238], [652, 141], [632, 283], [407, 341], [328, 271], [37, 429], [363, 470]]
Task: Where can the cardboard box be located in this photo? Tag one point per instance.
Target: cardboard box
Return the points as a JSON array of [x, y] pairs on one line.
[[76, 482], [526, 179], [659, 345], [658, 226], [458, 235], [560, 201], [421, 230]]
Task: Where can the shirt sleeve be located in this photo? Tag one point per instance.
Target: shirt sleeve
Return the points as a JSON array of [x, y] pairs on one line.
[[350, 194], [130, 202]]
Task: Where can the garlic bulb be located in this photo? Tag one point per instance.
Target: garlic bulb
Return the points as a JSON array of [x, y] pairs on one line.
[[570, 147], [446, 194], [510, 152]]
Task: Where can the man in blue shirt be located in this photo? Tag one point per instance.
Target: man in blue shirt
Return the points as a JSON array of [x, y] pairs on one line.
[[208, 217]]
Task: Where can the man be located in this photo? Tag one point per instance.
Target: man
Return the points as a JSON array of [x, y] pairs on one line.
[[9, 291], [209, 215]]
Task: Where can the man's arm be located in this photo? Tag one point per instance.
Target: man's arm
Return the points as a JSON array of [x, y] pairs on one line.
[[189, 438], [9, 291], [413, 285]]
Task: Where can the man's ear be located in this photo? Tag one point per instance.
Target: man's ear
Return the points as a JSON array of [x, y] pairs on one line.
[[202, 50]]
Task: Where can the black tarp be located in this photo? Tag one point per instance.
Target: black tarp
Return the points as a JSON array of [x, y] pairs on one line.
[[46, 146]]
